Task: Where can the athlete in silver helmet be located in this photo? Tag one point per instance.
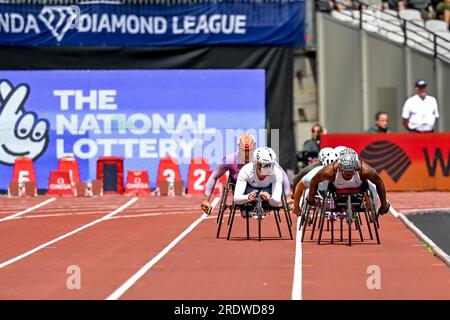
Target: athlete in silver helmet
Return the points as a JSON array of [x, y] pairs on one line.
[[350, 172]]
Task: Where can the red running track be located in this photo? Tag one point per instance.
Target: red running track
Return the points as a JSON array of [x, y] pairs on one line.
[[200, 266]]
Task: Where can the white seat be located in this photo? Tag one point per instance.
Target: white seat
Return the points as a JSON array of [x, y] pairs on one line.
[[395, 36], [418, 38], [410, 14], [340, 15], [444, 34], [386, 17], [415, 25], [436, 25]]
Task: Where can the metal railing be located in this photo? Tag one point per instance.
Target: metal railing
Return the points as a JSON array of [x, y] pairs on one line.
[[422, 35]]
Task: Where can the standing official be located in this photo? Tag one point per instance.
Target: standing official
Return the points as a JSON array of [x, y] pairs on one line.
[[420, 111]]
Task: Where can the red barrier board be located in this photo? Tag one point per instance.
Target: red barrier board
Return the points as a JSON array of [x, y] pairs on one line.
[[60, 183], [23, 170], [168, 170], [405, 161], [137, 183], [198, 176], [70, 164]]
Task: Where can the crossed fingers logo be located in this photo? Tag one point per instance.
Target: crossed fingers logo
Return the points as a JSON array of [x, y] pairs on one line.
[[22, 133]]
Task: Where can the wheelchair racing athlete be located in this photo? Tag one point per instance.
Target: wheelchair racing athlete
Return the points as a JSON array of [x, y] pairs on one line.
[[262, 176], [322, 154], [233, 163], [350, 172], [328, 158]]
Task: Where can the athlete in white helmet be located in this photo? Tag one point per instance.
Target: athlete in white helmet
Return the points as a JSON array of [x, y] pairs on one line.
[[350, 172], [323, 153], [263, 176], [328, 158]]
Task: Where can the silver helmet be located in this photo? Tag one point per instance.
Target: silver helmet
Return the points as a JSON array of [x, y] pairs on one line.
[[348, 160]]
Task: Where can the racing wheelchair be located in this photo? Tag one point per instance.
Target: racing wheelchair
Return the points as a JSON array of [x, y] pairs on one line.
[[345, 205], [224, 206]]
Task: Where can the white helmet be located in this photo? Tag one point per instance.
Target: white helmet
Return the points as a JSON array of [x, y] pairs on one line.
[[330, 158], [339, 149], [267, 158], [323, 153]]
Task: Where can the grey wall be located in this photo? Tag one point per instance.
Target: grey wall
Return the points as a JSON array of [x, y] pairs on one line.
[[338, 68], [361, 73]]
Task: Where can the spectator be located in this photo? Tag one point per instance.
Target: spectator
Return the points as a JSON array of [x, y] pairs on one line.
[[342, 5], [381, 123], [393, 5], [443, 11], [313, 144], [420, 111]]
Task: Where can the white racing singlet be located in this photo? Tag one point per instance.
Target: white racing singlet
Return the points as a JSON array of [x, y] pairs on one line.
[[340, 183]]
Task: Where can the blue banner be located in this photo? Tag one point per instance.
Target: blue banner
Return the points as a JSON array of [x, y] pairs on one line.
[[141, 115], [251, 23]]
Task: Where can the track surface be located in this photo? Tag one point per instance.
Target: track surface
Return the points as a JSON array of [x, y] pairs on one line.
[[38, 247]]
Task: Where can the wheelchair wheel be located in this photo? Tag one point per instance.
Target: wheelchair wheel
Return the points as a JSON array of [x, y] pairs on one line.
[[323, 214], [375, 226], [349, 219]]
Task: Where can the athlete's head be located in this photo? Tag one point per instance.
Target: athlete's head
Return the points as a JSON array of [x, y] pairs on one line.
[[246, 148], [323, 153], [348, 163], [264, 159], [339, 149], [330, 158]]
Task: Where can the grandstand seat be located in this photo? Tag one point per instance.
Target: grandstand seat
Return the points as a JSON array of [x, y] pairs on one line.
[[410, 15], [344, 16], [434, 25], [397, 36]]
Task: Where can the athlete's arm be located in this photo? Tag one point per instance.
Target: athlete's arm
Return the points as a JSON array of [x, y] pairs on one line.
[[326, 173], [218, 171], [367, 172]]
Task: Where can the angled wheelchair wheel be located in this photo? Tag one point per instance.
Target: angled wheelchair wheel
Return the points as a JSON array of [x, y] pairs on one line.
[[349, 215]]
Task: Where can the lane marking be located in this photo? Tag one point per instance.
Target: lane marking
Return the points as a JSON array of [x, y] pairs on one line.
[[297, 279], [393, 211], [39, 205], [141, 272], [42, 246], [437, 251]]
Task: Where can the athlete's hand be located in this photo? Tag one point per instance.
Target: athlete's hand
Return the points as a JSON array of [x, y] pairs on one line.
[[296, 210], [205, 206], [252, 196], [311, 201], [265, 196], [384, 209], [22, 133]]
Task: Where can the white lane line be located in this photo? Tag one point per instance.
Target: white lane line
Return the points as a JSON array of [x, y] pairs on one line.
[[297, 280], [26, 254], [28, 210], [141, 272], [393, 211], [437, 251]]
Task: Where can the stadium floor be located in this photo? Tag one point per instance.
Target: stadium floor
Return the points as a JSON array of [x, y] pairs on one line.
[[163, 248]]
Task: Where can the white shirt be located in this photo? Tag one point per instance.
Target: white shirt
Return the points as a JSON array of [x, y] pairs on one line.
[[421, 114], [341, 183], [247, 174], [306, 180]]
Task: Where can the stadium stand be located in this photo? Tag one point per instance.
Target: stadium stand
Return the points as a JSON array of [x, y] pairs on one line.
[[406, 26]]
